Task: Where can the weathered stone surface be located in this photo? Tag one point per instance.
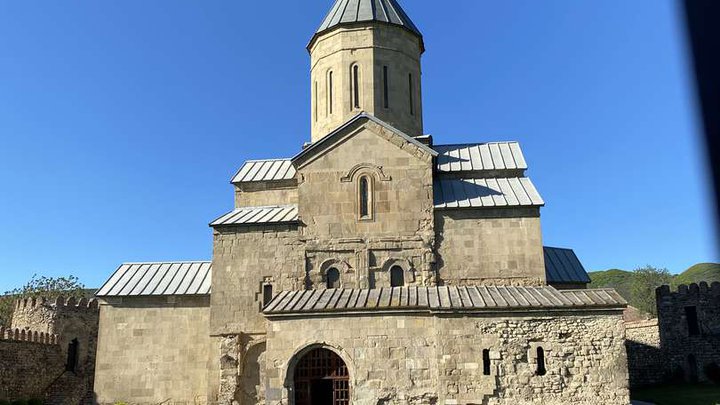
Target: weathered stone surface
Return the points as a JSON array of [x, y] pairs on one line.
[[153, 350], [438, 359]]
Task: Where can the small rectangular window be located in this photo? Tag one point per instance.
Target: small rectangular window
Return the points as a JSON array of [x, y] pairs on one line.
[[486, 362], [692, 321], [386, 95], [267, 294]]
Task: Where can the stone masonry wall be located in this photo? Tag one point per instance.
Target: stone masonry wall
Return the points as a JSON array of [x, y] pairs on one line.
[[424, 359], [688, 354], [69, 319], [29, 362], [371, 48], [244, 259], [646, 361], [153, 350], [490, 247], [264, 194]]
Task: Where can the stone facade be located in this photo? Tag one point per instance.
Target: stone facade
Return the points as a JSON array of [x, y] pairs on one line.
[[502, 246], [367, 220], [689, 323], [372, 48], [153, 350], [416, 359]]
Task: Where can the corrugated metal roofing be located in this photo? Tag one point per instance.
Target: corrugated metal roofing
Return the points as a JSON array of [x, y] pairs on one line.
[[563, 266], [480, 156], [478, 193], [353, 11], [158, 279], [446, 298], [265, 170], [259, 215]]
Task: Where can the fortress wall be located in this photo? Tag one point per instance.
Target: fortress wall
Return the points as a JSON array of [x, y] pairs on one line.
[[646, 361], [153, 350], [422, 359], [486, 247], [690, 351], [29, 362]]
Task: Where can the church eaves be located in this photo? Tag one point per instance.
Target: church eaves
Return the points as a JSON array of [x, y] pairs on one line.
[[345, 12]]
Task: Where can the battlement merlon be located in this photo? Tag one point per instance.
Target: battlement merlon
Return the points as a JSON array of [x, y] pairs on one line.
[[22, 335], [701, 289], [59, 302]]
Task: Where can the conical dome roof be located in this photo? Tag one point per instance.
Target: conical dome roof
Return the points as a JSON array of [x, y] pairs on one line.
[[356, 11]]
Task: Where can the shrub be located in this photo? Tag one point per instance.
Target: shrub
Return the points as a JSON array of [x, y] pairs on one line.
[[20, 402], [35, 401], [712, 371], [4, 402]]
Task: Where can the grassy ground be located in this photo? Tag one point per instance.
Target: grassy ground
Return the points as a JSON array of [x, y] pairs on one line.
[[679, 395]]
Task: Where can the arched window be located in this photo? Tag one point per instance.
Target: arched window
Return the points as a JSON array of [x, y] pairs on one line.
[[397, 276], [267, 294], [386, 94], [332, 277], [355, 77], [315, 103], [486, 362], [540, 362], [365, 197], [72, 356], [411, 93], [330, 90]]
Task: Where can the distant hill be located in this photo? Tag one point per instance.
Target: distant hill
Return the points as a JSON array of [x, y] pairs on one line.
[[620, 279], [709, 272]]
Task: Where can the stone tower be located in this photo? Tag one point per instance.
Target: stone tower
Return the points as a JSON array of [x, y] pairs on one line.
[[366, 57]]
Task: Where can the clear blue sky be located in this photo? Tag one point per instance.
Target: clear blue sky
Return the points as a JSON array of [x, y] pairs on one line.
[[121, 122]]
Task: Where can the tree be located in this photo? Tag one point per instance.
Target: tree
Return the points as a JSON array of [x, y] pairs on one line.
[[642, 287], [47, 287]]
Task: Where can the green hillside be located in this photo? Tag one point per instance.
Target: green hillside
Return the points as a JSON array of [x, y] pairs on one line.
[[621, 280], [709, 272], [614, 278]]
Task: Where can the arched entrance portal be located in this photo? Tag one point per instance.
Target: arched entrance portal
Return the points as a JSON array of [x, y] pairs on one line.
[[321, 378]]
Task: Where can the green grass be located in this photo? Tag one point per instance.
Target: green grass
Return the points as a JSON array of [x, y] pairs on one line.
[[679, 395], [709, 272]]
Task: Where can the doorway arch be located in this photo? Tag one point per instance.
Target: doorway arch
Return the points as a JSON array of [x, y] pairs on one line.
[[321, 377]]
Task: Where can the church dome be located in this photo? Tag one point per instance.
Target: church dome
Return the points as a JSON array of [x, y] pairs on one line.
[[346, 12]]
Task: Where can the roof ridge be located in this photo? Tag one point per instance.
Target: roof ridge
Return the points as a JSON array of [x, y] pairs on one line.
[[475, 143], [169, 262]]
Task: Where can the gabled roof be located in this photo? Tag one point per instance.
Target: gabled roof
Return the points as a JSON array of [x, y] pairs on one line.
[[158, 279], [264, 170], [480, 299], [357, 11], [327, 139], [563, 266], [483, 193], [259, 215], [480, 157]]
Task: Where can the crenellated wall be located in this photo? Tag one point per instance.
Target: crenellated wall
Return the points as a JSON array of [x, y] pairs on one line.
[[29, 362], [690, 346], [37, 360]]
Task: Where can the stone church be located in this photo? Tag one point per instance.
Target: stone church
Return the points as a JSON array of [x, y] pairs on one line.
[[376, 266]]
